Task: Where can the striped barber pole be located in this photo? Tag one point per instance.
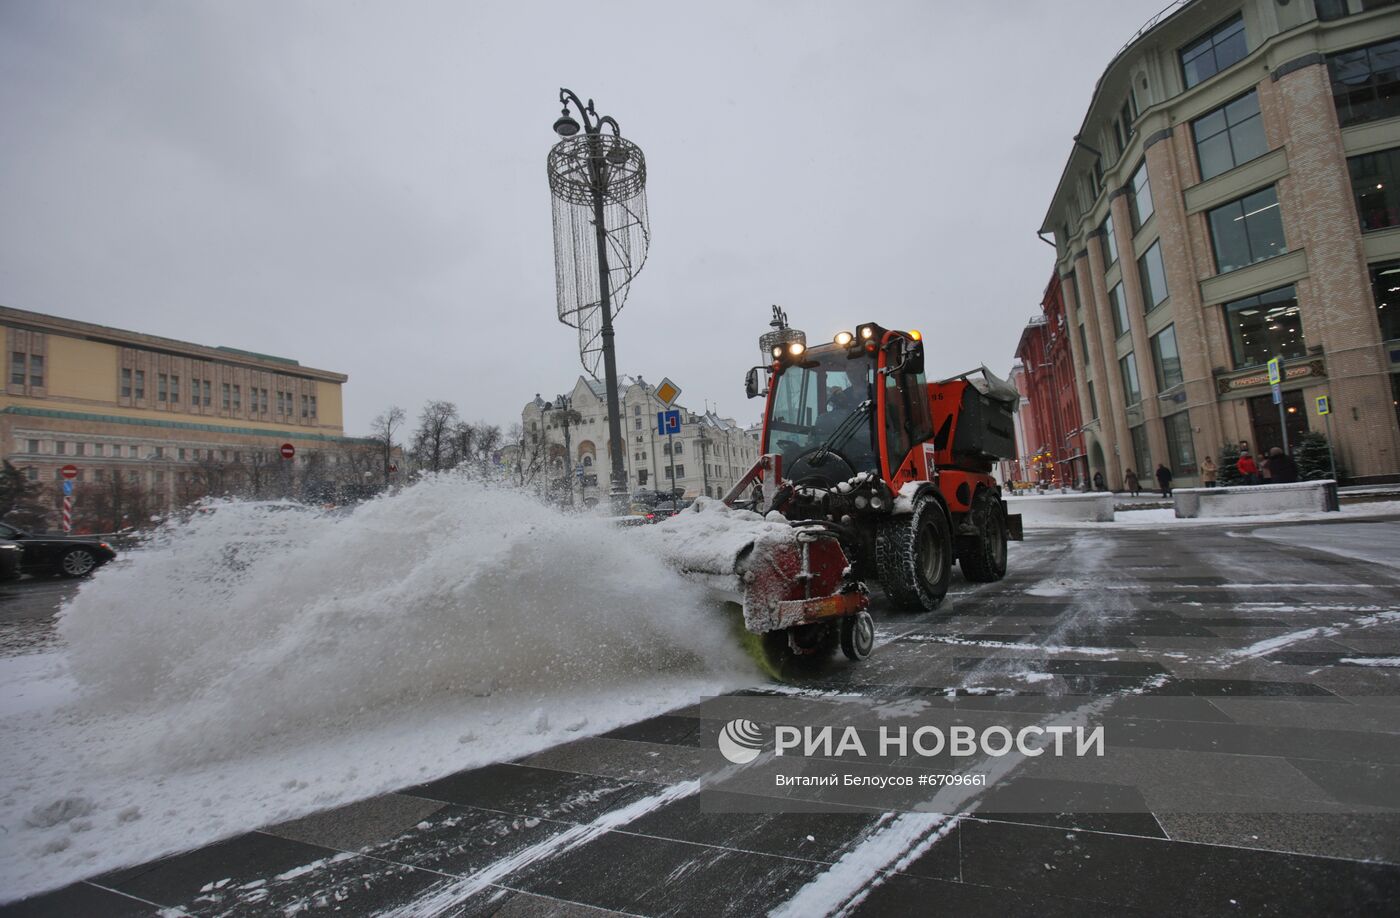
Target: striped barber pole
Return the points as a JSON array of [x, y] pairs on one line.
[[67, 513]]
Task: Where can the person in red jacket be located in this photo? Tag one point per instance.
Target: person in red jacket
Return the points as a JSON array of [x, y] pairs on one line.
[[1248, 468]]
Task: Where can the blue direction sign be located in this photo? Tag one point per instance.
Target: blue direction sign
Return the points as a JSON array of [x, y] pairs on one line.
[[668, 422], [68, 487], [1277, 393]]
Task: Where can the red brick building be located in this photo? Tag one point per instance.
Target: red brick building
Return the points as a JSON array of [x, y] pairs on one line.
[[1057, 456]]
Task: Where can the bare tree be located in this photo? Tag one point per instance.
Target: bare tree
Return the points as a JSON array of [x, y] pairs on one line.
[[382, 430], [210, 476], [529, 449], [112, 504], [461, 449], [433, 439], [261, 469], [488, 444]]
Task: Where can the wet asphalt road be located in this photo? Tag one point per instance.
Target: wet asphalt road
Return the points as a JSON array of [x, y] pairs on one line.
[[27, 610], [1248, 683]]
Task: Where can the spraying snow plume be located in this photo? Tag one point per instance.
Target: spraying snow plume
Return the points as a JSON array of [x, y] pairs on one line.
[[229, 674]]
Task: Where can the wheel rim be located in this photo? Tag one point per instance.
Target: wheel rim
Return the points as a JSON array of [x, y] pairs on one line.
[[77, 562], [930, 555], [863, 634]]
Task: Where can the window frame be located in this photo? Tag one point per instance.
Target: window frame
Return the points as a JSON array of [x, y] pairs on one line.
[[1210, 42], [1388, 171], [1256, 301], [1159, 362], [1135, 194], [1245, 214], [1145, 277], [1228, 130], [1129, 360], [1118, 305]]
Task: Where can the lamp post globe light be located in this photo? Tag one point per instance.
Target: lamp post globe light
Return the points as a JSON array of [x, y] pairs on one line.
[[601, 235]]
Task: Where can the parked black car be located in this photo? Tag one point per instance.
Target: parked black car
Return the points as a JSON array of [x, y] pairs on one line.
[[69, 556], [11, 555]]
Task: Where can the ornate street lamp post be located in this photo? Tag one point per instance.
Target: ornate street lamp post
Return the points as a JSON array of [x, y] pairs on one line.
[[601, 235]]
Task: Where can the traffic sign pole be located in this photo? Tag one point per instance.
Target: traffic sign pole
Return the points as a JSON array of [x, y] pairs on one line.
[[69, 472], [1275, 380], [1324, 408]]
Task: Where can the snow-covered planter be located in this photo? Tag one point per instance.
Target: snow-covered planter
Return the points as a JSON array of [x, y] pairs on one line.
[[1256, 500], [1063, 508]]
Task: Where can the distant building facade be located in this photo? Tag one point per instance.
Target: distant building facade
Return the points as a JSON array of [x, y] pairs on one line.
[[1233, 195], [708, 456], [154, 422], [1053, 452]]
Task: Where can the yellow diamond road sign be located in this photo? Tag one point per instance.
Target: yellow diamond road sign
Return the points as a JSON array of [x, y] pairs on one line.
[[668, 391]]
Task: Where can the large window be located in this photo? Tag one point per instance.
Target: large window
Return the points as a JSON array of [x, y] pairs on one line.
[[1132, 391], [1264, 326], [1375, 183], [1366, 82], [1166, 358], [1230, 135], [1120, 309], [1153, 275], [1385, 284], [1181, 453], [1247, 231], [1093, 401], [1140, 197], [1110, 245], [1213, 52], [1141, 454]]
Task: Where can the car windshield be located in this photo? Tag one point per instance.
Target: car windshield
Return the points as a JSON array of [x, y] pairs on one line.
[[819, 402]]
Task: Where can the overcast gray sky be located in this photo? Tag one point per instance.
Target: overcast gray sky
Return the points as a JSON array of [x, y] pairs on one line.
[[361, 186]]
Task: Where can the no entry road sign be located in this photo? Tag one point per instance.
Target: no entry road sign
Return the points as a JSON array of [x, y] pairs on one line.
[[69, 471], [288, 450]]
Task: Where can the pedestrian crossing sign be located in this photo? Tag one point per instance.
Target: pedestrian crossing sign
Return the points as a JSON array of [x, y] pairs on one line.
[[1323, 407]]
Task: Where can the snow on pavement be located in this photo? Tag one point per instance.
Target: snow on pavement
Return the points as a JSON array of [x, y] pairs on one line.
[[1378, 543], [263, 661]]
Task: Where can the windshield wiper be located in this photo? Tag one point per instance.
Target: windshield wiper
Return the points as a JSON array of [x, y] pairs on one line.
[[843, 432]]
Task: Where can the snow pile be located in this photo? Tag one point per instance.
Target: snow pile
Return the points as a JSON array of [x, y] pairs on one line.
[[1063, 508], [263, 661], [709, 537], [1256, 500]]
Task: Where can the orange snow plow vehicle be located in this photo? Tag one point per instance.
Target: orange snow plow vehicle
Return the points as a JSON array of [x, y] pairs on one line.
[[867, 472]]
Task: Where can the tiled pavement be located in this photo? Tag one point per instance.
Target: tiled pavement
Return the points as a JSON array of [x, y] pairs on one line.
[[1242, 777]]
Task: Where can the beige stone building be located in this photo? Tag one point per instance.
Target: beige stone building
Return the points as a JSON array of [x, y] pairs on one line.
[[161, 421], [709, 455], [1233, 194]]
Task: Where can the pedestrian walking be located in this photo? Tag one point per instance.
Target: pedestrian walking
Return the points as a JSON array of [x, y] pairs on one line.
[[1164, 478], [1098, 481], [1248, 468], [1209, 473], [1131, 480], [1281, 467]]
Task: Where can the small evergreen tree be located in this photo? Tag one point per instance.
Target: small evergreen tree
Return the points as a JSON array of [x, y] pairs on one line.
[[20, 498], [1311, 456], [1228, 472]]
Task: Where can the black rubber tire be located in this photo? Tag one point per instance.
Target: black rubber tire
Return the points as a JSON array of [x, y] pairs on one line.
[[857, 636], [983, 556], [78, 562], [914, 556]]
